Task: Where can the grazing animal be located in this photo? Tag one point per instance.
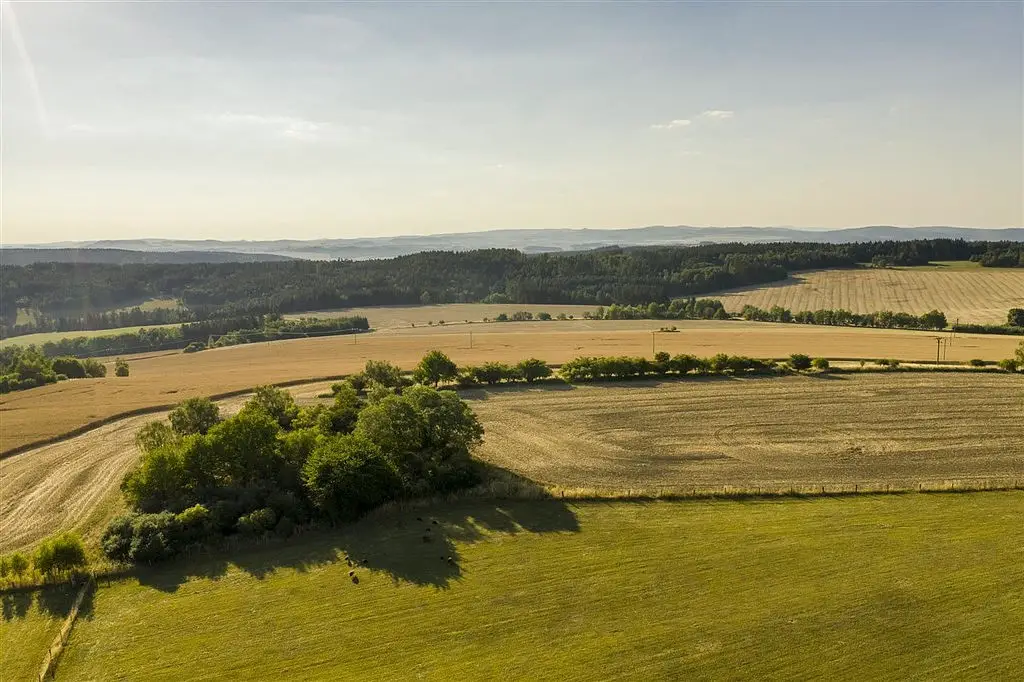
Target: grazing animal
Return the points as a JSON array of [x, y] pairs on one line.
[[355, 579], [426, 538], [419, 518], [351, 573], [434, 521]]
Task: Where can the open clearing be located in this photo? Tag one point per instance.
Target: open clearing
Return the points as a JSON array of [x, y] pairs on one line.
[[166, 378], [851, 588], [978, 295], [74, 484], [899, 429]]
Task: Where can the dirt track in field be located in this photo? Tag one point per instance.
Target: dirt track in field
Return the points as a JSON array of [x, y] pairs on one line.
[[166, 378], [895, 429], [74, 484]]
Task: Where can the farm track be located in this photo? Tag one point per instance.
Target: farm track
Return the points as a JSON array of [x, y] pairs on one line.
[[72, 484], [980, 295], [157, 380], [900, 429]]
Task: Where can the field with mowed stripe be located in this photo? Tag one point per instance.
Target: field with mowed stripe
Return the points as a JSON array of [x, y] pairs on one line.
[[918, 586], [970, 294]]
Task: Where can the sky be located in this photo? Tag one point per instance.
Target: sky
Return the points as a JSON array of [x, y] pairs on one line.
[[263, 120]]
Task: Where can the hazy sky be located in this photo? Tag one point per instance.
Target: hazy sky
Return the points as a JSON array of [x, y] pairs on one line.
[[303, 120]]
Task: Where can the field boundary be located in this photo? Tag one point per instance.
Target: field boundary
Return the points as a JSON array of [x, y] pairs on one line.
[[49, 665]]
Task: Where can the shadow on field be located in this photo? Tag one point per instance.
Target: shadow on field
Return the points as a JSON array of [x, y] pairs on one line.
[[416, 542], [53, 602]]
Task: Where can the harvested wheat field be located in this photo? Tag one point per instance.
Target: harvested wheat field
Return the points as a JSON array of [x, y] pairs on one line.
[[167, 378], [977, 295], [397, 317], [73, 484], [899, 429]]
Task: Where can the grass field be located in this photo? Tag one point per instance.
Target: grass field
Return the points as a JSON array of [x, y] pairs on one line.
[[74, 484], [773, 432], [30, 622], [916, 586], [970, 294], [166, 378], [47, 337]]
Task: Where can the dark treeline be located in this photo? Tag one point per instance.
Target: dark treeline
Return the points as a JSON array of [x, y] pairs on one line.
[[200, 335], [1002, 255], [885, 319], [110, 319], [626, 276]]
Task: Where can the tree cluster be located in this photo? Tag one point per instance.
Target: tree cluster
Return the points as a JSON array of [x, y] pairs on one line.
[[620, 367], [54, 558], [275, 466], [884, 319], [24, 367]]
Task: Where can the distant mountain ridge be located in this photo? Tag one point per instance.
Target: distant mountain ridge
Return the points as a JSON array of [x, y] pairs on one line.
[[90, 254], [527, 240]]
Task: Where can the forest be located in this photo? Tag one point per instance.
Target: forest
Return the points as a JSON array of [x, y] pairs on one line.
[[71, 297]]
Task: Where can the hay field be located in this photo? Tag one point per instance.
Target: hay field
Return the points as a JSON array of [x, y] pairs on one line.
[[397, 317], [918, 586], [74, 484], [978, 295], [166, 378], [899, 429]]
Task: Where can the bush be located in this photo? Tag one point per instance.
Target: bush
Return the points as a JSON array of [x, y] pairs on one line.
[[276, 402], [194, 415], [18, 564], [94, 368], [1009, 364], [69, 367], [120, 368], [347, 476], [60, 554], [799, 362], [976, 362], [195, 347], [434, 368], [383, 372], [820, 364], [258, 522], [532, 369]]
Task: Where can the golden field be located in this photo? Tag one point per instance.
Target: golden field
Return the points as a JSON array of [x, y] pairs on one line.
[[167, 378], [771, 433], [976, 295]]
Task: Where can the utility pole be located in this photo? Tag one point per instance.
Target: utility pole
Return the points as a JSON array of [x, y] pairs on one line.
[[471, 340], [938, 348], [652, 343]]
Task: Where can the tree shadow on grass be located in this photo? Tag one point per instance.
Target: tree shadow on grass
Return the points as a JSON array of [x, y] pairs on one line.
[[53, 601], [415, 541]]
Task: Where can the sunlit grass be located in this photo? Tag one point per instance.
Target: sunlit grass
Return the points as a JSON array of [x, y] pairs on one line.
[[910, 586]]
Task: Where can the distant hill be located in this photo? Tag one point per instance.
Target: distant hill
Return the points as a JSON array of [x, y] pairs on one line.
[[528, 241], [89, 254]]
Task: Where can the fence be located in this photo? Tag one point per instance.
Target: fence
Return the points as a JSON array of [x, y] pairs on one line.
[[49, 665]]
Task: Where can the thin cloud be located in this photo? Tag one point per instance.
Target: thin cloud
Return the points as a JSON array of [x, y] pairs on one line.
[[282, 126], [671, 125], [718, 114]]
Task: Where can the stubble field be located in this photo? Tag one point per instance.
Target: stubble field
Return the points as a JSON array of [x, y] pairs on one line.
[[804, 432], [977, 295], [167, 378]]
